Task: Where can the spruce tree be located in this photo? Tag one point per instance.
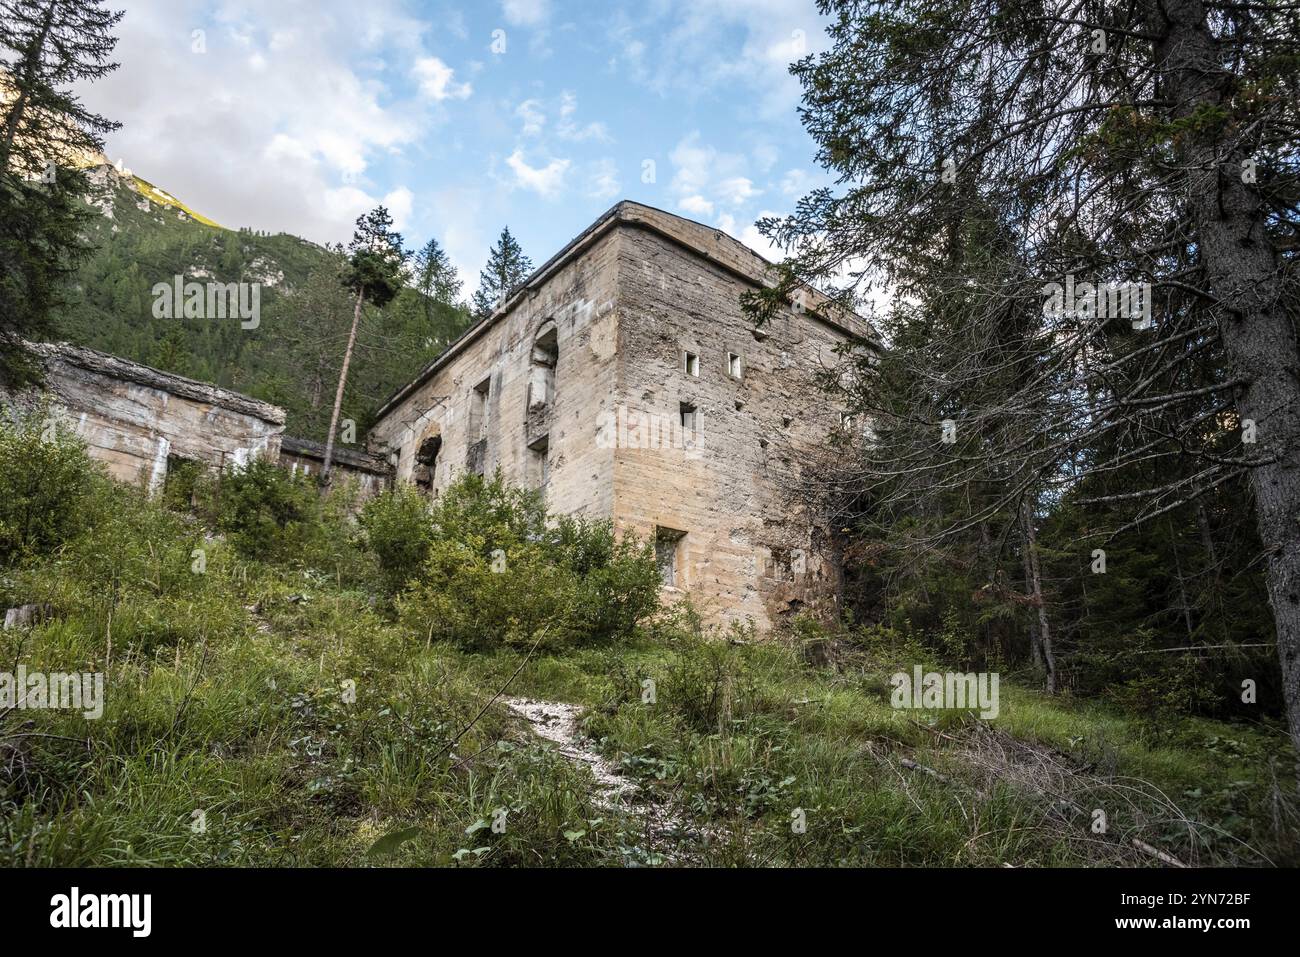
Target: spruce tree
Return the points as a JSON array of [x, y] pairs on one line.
[[46, 136], [506, 268], [435, 276], [376, 267]]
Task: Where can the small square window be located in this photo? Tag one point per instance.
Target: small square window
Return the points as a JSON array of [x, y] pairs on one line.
[[691, 363], [733, 365], [688, 416]]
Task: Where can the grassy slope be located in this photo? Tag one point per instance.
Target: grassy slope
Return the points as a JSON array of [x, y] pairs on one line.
[[156, 195], [225, 696]]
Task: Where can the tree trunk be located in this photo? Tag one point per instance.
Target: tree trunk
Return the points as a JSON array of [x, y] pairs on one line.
[[1042, 644], [338, 396], [317, 382], [1185, 605], [1207, 541], [1243, 273]]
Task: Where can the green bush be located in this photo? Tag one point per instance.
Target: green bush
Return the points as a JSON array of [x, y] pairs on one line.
[[46, 479], [497, 572], [397, 528], [184, 478], [266, 512], [706, 683], [271, 515], [617, 580]]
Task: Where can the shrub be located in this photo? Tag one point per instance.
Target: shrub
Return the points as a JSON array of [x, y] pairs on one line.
[[271, 515], [331, 543], [46, 479], [397, 528], [700, 684], [497, 572], [182, 482], [617, 581], [265, 511]]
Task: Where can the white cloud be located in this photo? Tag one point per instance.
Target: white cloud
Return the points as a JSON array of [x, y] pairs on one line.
[[525, 13], [602, 180], [545, 180], [454, 23], [291, 147], [436, 80], [465, 231], [705, 178], [795, 182], [696, 205], [765, 156], [534, 119], [344, 204], [737, 190], [399, 202], [692, 163], [568, 129], [750, 236], [704, 46]]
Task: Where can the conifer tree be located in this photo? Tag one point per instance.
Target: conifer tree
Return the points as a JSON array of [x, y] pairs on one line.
[[506, 268], [376, 266], [1143, 157], [45, 135]]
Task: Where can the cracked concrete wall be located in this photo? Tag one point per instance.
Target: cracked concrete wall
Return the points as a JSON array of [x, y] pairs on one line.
[[628, 298]]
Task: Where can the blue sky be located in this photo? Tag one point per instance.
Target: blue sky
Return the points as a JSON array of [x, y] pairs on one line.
[[464, 117]]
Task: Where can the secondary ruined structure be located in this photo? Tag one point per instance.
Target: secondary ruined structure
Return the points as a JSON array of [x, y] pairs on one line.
[[139, 422], [624, 379], [370, 472]]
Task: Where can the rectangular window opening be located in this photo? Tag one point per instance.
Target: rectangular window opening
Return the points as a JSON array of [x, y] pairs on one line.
[[668, 542], [539, 461], [733, 365], [478, 411], [689, 415], [691, 363]]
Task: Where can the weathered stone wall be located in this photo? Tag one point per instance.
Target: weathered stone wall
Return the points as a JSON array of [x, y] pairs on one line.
[[628, 298], [750, 548], [302, 456], [134, 418], [446, 408]]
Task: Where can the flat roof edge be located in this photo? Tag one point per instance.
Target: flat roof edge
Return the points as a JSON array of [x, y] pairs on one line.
[[127, 370], [625, 212]]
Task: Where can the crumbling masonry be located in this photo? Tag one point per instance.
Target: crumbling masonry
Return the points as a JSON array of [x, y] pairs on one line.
[[624, 379]]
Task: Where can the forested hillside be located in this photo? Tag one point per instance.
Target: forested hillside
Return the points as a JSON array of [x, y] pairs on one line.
[[143, 236]]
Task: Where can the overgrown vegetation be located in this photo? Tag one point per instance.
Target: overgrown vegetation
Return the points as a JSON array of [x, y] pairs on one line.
[[267, 705]]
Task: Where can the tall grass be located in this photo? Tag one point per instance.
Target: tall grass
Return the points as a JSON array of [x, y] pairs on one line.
[[266, 707]]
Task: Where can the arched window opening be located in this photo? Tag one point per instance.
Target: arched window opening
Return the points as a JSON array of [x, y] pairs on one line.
[[541, 375]]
